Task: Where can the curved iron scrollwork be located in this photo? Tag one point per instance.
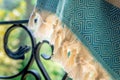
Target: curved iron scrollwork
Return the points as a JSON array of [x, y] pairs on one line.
[[22, 50]]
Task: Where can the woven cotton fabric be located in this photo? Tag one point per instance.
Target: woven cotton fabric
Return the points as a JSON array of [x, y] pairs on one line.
[[96, 23]]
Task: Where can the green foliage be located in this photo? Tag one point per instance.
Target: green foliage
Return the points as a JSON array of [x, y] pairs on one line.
[[33, 2], [9, 66]]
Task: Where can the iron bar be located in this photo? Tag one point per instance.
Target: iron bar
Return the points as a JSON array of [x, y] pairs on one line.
[[19, 54], [14, 22]]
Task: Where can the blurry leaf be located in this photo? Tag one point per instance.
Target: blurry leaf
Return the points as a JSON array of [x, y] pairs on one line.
[[33, 2], [9, 66], [10, 4], [22, 4], [2, 14], [16, 10], [1, 1]]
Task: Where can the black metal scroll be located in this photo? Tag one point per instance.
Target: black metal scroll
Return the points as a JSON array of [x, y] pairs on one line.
[[22, 50]]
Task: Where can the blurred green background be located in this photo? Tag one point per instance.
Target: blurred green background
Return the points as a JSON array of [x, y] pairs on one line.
[[19, 10]]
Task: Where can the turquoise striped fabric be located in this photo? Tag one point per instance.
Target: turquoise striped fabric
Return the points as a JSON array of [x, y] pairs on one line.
[[96, 23]]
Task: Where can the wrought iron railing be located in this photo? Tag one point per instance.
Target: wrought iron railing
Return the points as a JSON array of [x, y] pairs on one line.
[[20, 53]]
